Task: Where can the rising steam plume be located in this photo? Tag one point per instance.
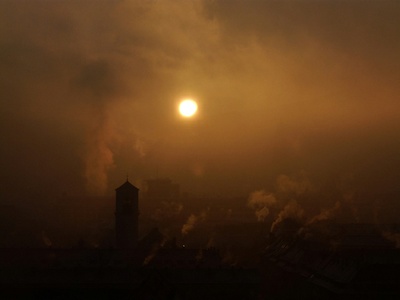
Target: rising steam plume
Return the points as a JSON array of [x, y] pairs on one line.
[[98, 83], [192, 221], [99, 160], [292, 210], [261, 201]]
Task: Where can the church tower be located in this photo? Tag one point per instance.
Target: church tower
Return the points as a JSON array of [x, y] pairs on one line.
[[126, 215]]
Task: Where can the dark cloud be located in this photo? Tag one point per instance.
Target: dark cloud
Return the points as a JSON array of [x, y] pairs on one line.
[[98, 78]]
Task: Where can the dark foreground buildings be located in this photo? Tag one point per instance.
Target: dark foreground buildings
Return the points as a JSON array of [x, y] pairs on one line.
[[350, 261], [149, 268], [292, 267], [118, 274], [326, 261]]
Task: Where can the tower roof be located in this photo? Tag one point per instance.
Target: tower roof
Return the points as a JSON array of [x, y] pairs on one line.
[[126, 185]]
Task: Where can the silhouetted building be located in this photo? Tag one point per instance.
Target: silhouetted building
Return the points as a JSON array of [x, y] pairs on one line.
[[126, 215]]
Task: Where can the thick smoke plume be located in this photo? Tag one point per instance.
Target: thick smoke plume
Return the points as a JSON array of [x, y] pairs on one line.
[[98, 162], [261, 201], [98, 84], [289, 190], [292, 210], [326, 214], [192, 221]]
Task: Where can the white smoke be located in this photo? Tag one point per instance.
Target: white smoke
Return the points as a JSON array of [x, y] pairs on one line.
[[99, 160], [261, 201], [151, 255], [326, 214], [140, 147], [292, 210], [192, 221]]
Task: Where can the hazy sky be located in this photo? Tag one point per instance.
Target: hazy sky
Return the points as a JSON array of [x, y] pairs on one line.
[[89, 93]]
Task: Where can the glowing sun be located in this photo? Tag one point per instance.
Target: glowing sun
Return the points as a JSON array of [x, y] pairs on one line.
[[188, 108]]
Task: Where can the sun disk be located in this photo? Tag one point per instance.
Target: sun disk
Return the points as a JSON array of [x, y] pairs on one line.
[[188, 108]]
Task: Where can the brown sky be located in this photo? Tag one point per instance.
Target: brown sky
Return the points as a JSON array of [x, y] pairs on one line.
[[89, 89]]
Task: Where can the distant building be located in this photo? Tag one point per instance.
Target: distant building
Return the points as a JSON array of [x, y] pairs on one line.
[[126, 215]]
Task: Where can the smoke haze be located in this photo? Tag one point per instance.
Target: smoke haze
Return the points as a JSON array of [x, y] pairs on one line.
[[89, 92]]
